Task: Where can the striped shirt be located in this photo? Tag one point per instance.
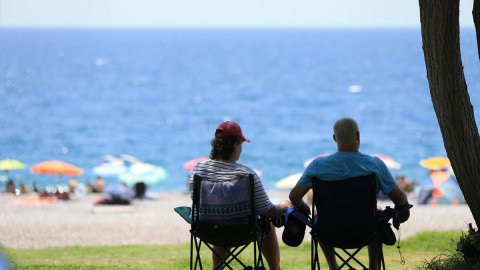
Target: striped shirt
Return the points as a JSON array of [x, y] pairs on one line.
[[222, 171]]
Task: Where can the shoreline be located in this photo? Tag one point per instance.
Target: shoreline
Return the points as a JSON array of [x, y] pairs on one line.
[[28, 223]]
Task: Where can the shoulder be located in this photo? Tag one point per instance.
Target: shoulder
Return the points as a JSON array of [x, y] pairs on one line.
[[322, 159], [209, 166], [246, 170], [378, 162], [369, 159], [201, 165], [381, 169]]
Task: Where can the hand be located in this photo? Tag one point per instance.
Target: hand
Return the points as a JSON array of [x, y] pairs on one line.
[[285, 204], [403, 211], [404, 215], [305, 208]]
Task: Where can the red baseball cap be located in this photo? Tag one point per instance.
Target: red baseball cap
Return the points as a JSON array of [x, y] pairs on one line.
[[230, 129]]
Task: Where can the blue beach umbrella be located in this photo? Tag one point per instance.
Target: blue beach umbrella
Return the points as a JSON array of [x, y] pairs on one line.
[[110, 169], [114, 165]]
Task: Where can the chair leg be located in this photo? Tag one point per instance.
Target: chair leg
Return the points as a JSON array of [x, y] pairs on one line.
[[255, 263], [315, 262], [258, 260], [191, 251], [375, 250], [351, 256], [223, 262], [344, 262], [232, 255], [312, 263], [198, 261], [381, 258]]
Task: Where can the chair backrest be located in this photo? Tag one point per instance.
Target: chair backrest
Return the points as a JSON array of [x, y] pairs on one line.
[[223, 211], [346, 211]]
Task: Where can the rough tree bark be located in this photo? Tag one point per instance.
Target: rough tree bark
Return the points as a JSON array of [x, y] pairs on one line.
[[448, 89], [476, 20]]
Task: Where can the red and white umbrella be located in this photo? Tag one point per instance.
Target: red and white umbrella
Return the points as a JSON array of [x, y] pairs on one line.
[[391, 164], [190, 165]]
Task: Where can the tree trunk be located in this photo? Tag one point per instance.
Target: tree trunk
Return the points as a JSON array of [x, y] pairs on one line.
[[476, 20], [448, 89]]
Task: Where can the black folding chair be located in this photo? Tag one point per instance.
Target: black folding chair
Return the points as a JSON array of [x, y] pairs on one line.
[[345, 219], [232, 227]]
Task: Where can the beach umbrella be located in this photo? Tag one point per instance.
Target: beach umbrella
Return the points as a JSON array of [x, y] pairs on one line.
[[110, 169], [55, 167], [115, 165], [436, 163], [11, 164], [391, 164], [143, 172], [190, 165], [288, 182]]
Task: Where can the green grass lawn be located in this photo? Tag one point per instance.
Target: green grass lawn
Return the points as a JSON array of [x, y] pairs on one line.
[[415, 250]]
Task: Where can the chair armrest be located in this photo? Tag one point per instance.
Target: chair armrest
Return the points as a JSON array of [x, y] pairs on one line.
[[184, 212]]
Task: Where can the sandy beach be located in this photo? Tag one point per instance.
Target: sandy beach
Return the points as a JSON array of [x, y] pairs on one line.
[[26, 222]]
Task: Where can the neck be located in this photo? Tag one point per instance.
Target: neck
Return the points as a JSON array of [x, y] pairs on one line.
[[230, 160], [343, 148]]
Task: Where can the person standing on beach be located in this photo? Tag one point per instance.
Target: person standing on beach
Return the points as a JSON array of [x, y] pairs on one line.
[[222, 165], [348, 162]]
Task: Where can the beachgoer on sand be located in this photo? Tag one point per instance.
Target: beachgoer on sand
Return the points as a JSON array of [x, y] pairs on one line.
[[10, 187]]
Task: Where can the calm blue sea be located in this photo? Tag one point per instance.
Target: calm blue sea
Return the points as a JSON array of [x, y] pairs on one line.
[[157, 94]]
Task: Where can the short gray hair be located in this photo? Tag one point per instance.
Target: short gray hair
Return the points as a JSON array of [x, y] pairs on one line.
[[345, 131]]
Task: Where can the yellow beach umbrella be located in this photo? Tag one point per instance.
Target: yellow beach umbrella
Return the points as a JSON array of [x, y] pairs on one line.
[[11, 164], [288, 182], [436, 163]]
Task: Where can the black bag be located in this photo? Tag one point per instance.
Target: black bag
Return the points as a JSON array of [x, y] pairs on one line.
[[387, 236]]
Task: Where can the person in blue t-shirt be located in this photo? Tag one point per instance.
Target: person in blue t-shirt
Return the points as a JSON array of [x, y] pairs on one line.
[[348, 162]]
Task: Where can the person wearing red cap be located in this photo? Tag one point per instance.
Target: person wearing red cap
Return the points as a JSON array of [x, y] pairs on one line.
[[223, 166]]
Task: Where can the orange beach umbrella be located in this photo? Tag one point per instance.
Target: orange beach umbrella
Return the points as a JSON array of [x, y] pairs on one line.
[[55, 167]]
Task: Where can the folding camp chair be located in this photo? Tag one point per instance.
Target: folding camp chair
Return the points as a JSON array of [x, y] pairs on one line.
[[233, 226], [345, 219]]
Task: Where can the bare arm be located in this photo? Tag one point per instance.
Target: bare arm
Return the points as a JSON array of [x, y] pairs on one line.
[[296, 196], [277, 209], [399, 198]]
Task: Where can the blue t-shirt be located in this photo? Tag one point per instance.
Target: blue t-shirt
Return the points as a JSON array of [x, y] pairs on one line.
[[343, 165]]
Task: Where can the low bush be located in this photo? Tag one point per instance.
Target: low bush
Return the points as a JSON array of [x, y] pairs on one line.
[[466, 256]]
